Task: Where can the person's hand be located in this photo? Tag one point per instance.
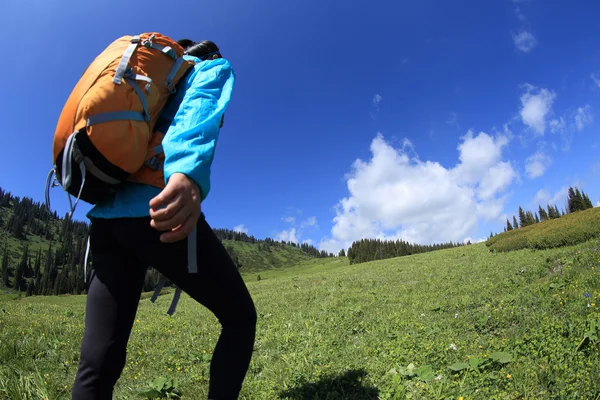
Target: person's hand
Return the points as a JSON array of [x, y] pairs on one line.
[[176, 209]]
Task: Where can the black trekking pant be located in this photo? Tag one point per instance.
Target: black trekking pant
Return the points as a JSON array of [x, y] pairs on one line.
[[121, 251]]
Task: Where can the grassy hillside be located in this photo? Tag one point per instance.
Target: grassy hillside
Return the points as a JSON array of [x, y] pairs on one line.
[[458, 323], [567, 230], [27, 230], [254, 258]]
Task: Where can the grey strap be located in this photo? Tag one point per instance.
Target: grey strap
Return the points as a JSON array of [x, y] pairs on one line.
[[85, 259], [141, 95], [167, 50], [154, 163], [191, 250], [98, 173], [124, 64], [137, 77], [82, 169], [172, 73], [48, 185], [175, 301], [161, 284], [66, 162], [115, 116]]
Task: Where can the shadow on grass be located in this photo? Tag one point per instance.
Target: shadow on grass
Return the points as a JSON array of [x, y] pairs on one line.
[[347, 386]]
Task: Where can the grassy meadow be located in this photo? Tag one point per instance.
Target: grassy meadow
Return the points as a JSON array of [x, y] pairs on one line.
[[463, 323]]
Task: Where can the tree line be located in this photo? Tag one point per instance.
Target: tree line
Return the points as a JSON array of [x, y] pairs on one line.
[[59, 268], [376, 249], [577, 200], [268, 243]]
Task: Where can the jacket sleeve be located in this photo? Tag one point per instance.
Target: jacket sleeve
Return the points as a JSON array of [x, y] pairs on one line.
[[189, 143]]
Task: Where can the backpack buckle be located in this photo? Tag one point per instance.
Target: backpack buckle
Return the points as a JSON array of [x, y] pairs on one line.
[[172, 88]]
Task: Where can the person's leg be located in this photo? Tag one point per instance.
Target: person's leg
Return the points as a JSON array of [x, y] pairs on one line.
[[112, 302], [218, 286]]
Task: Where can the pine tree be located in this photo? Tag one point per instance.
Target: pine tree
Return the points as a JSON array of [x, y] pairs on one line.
[[515, 223], [580, 200], [522, 217], [543, 214], [537, 218], [19, 282], [508, 225], [5, 271], [586, 201], [342, 253], [575, 201]]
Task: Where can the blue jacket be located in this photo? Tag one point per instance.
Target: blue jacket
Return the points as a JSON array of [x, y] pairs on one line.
[[189, 144]]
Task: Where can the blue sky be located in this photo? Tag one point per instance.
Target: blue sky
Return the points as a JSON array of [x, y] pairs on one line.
[[459, 112]]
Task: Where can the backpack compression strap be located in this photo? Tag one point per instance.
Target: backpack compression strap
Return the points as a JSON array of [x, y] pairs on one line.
[[176, 296]]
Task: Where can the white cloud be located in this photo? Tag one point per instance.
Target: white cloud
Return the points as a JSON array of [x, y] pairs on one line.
[[543, 197], [519, 15], [309, 222], [453, 120], [537, 164], [596, 80], [289, 220], [393, 195], [578, 120], [583, 117], [288, 236], [598, 204], [557, 125], [377, 99], [525, 41], [536, 106], [473, 241], [240, 229]]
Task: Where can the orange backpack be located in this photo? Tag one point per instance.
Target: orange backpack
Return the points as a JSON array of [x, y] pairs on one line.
[[105, 134]]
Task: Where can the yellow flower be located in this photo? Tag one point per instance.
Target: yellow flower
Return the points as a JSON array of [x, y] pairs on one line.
[[508, 376], [461, 398]]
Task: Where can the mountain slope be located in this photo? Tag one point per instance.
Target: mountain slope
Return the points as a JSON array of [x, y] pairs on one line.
[[41, 253]]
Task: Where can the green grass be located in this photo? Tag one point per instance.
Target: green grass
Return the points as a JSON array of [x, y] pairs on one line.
[[277, 257], [388, 329], [567, 230], [252, 259]]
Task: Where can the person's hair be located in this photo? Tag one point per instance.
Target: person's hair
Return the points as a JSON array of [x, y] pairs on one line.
[[185, 43], [201, 50]]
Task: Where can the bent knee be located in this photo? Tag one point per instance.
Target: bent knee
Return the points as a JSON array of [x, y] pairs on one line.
[[243, 317]]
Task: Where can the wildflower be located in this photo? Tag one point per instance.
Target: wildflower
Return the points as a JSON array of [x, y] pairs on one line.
[[452, 346], [587, 295], [508, 376], [438, 378], [456, 315]]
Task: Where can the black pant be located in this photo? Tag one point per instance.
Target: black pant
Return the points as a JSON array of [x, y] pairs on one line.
[[121, 251]]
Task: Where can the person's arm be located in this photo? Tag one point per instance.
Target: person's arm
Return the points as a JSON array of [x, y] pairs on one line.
[[189, 147], [189, 144]]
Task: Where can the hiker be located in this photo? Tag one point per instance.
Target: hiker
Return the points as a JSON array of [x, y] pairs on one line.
[[142, 226]]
